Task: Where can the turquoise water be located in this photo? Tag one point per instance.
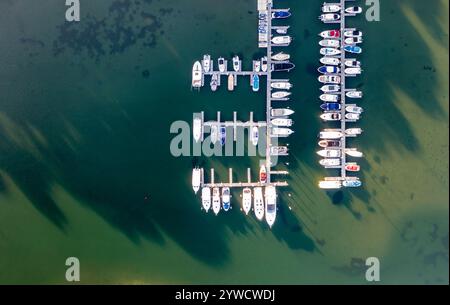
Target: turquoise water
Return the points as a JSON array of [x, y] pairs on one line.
[[86, 171]]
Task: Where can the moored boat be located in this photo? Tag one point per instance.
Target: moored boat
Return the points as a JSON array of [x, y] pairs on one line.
[[329, 51], [331, 134], [353, 33], [280, 94], [354, 109], [230, 82], [352, 152], [226, 203], [330, 88], [352, 71], [333, 43], [222, 64], [352, 116], [197, 74], [352, 167], [216, 200], [331, 116], [351, 183], [330, 34], [214, 82], [206, 198], [281, 122], [354, 94], [279, 150], [353, 10], [327, 97], [197, 129], [214, 134], [255, 82], [280, 112], [329, 143], [258, 203], [222, 135], [281, 14], [206, 63], [328, 69], [281, 85], [353, 49], [256, 65], [282, 40], [246, 200], [330, 162], [329, 153], [333, 61], [236, 63], [329, 17], [332, 79], [353, 131], [281, 132], [352, 63], [264, 64], [254, 136], [330, 184], [262, 174], [196, 177], [271, 205], [331, 8], [281, 56], [353, 40]]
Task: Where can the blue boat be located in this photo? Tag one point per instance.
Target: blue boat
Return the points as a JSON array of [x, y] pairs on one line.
[[223, 135], [353, 49], [328, 69], [255, 82], [352, 183], [281, 14], [226, 198], [330, 106]]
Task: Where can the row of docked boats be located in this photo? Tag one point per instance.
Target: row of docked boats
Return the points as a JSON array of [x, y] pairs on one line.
[[334, 45], [217, 199]]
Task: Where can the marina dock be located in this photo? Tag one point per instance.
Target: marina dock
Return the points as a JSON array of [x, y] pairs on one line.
[[262, 70], [343, 98]]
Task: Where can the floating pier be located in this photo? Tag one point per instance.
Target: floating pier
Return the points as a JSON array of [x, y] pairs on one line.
[[343, 90]]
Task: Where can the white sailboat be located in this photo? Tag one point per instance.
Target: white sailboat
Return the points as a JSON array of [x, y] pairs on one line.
[[216, 200], [197, 75]]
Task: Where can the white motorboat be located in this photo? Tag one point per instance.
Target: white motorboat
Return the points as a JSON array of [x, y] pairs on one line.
[[281, 122], [282, 29], [331, 8], [280, 94], [281, 40], [258, 203], [281, 85], [214, 82], [353, 40], [246, 200], [254, 136], [331, 134], [226, 199], [330, 116], [329, 17], [214, 134], [353, 131], [230, 82], [352, 183], [354, 94], [236, 63], [354, 109], [333, 43], [326, 97], [353, 71], [329, 153], [352, 152], [280, 112], [329, 51], [353, 33], [264, 64], [330, 34], [353, 10], [330, 162], [206, 63], [352, 116], [330, 184], [332, 61], [216, 204], [281, 56], [330, 88], [256, 65], [197, 129], [332, 79], [222, 64], [206, 198], [196, 177], [352, 63], [271, 205], [197, 75], [281, 132], [279, 150]]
